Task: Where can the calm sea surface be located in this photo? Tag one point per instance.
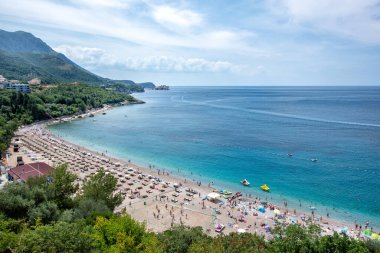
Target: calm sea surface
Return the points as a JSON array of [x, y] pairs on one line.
[[226, 134]]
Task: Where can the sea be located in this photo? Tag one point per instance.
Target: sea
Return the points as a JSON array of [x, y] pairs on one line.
[[315, 147]]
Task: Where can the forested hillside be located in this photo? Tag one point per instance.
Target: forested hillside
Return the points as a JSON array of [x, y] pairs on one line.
[[48, 67], [19, 108]]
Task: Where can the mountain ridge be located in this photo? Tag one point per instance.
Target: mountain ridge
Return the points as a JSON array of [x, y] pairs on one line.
[[21, 41], [24, 56]]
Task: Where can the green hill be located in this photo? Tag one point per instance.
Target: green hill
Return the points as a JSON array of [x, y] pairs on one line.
[[24, 57], [50, 67], [146, 85], [22, 42]]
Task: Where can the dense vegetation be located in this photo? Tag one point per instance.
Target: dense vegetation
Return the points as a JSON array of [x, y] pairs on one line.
[[53, 216], [146, 85], [18, 108], [50, 214]]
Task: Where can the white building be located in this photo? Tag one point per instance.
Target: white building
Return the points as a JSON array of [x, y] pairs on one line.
[[19, 87], [3, 79]]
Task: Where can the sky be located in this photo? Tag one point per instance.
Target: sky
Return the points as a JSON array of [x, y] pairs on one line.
[[247, 42]]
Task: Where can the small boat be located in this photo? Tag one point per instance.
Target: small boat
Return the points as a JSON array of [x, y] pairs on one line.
[[219, 228], [314, 160], [245, 182], [290, 154], [264, 187], [224, 192], [104, 113], [227, 193]]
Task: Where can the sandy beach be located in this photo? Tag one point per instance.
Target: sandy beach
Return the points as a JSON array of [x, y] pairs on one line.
[[162, 200]]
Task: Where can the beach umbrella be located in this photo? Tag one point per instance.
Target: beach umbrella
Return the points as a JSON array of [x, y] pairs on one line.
[[367, 232], [375, 236], [241, 230], [276, 211]]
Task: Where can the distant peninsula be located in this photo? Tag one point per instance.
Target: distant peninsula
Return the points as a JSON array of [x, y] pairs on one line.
[[162, 87]]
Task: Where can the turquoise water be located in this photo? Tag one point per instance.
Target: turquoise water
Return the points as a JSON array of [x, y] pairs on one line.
[[225, 134]]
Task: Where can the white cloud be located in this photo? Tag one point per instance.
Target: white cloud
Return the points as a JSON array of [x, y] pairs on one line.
[[104, 3], [85, 55], [356, 19], [170, 16], [95, 57], [120, 25], [179, 64]]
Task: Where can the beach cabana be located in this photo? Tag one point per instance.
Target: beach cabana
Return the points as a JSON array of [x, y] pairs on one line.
[[214, 197]]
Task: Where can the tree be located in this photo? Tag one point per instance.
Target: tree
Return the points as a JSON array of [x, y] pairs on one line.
[[123, 234], [180, 238], [234, 242], [47, 212], [15, 200], [296, 238], [101, 187], [88, 206], [62, 187], [340, 243], [58, 237]]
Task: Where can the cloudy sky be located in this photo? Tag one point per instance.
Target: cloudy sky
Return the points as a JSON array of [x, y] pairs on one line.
[[272, 42]]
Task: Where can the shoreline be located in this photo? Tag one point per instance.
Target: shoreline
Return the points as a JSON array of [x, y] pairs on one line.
[[277, 199], [88, 113], [203, 211]]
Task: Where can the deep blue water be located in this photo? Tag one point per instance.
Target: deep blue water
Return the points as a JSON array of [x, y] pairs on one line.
[[225, 134]]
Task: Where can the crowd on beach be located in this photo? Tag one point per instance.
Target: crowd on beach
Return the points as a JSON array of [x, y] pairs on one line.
[[163, 200]]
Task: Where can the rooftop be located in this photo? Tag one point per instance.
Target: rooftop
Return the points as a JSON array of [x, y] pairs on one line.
[[24, 172]]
